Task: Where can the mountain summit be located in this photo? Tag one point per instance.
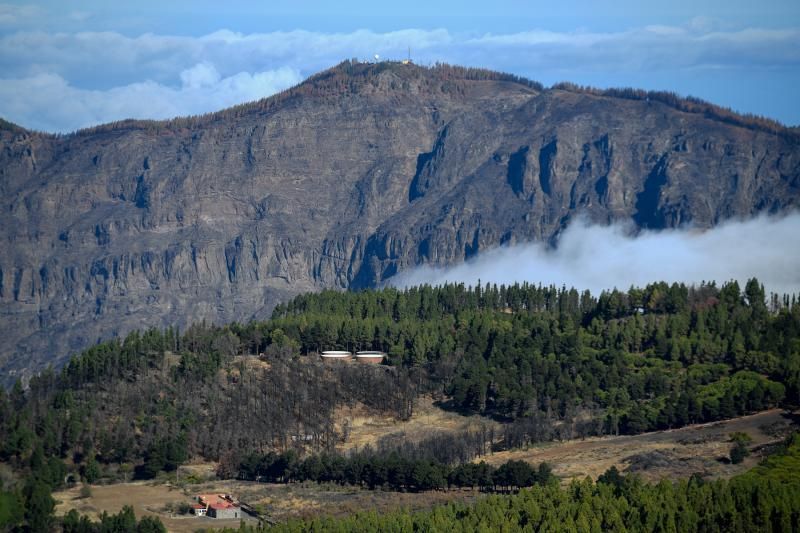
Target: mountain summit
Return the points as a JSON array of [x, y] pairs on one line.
[[358, 173]]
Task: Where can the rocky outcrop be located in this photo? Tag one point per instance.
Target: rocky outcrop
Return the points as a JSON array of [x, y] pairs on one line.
[[359, 173]]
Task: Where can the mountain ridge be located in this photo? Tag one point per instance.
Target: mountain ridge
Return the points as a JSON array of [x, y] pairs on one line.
[[360, 172], [689, 104]]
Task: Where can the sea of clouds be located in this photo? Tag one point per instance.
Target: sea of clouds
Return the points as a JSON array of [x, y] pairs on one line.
[[604, 257]]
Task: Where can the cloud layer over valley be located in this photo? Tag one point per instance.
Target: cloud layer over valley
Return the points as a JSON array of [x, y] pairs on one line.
[[603, 257]]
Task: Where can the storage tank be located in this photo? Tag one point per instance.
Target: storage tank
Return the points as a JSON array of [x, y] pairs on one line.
[[370, 357], [335, 355]]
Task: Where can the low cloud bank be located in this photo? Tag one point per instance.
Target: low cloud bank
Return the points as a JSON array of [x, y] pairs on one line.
[[603, 257], [202, 89]]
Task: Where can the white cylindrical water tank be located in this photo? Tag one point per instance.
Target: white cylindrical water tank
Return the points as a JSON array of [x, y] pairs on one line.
[[335, 355], [370, 357]]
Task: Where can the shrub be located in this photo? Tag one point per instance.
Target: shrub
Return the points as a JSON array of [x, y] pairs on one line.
[[739, 452]]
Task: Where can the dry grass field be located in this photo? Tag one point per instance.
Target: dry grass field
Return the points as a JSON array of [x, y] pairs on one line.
[[146, 498], [366, 429], [280, 502], [671, 454], [306, 500]]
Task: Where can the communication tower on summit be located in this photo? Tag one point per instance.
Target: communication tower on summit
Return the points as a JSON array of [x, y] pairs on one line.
[[408, 61]]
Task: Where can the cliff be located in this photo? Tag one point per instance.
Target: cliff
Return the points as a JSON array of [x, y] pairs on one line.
[[358, 173]]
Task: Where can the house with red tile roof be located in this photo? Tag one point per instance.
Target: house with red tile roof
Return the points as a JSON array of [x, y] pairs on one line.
[[219, 506]]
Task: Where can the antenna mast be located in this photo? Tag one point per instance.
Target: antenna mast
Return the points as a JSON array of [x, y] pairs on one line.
[[408, 60]]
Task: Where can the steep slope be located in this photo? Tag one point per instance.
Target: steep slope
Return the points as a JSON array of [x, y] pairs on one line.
[[358, 173]]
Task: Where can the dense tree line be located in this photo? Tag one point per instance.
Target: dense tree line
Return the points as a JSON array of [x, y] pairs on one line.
[[30, 504], [690, 104], [124, 521], [443, 446], [34, 512], [391, 471], [650, 358]]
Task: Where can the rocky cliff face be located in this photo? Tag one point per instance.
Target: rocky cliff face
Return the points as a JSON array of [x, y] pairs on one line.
[[360, 172]]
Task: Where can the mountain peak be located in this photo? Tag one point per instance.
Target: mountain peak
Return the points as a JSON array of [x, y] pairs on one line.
[[349, 77], [408, 70], [354, 77]]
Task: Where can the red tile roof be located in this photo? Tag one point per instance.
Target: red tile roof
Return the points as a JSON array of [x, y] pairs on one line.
[[217, 501], [222, 505]]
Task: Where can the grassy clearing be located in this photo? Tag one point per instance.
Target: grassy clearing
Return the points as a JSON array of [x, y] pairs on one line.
[[365, 428], [661, 454], [145, 498], [308, 500], [281, 502]]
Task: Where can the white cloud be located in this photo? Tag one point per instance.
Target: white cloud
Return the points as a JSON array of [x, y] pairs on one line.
[[604, 257], [201, 75], [93, 66], [67, 108]]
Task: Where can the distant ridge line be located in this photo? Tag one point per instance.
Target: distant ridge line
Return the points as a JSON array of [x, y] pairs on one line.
[[352, 75]]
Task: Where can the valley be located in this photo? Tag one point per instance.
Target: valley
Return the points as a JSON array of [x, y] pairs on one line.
[[673, 454]]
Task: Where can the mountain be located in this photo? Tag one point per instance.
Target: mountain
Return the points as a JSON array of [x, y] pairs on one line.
[[357, 173]]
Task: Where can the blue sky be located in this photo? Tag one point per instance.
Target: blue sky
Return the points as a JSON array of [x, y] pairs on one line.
[[66, 65]]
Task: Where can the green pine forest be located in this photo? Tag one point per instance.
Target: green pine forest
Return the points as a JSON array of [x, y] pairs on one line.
[[549, 363]]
